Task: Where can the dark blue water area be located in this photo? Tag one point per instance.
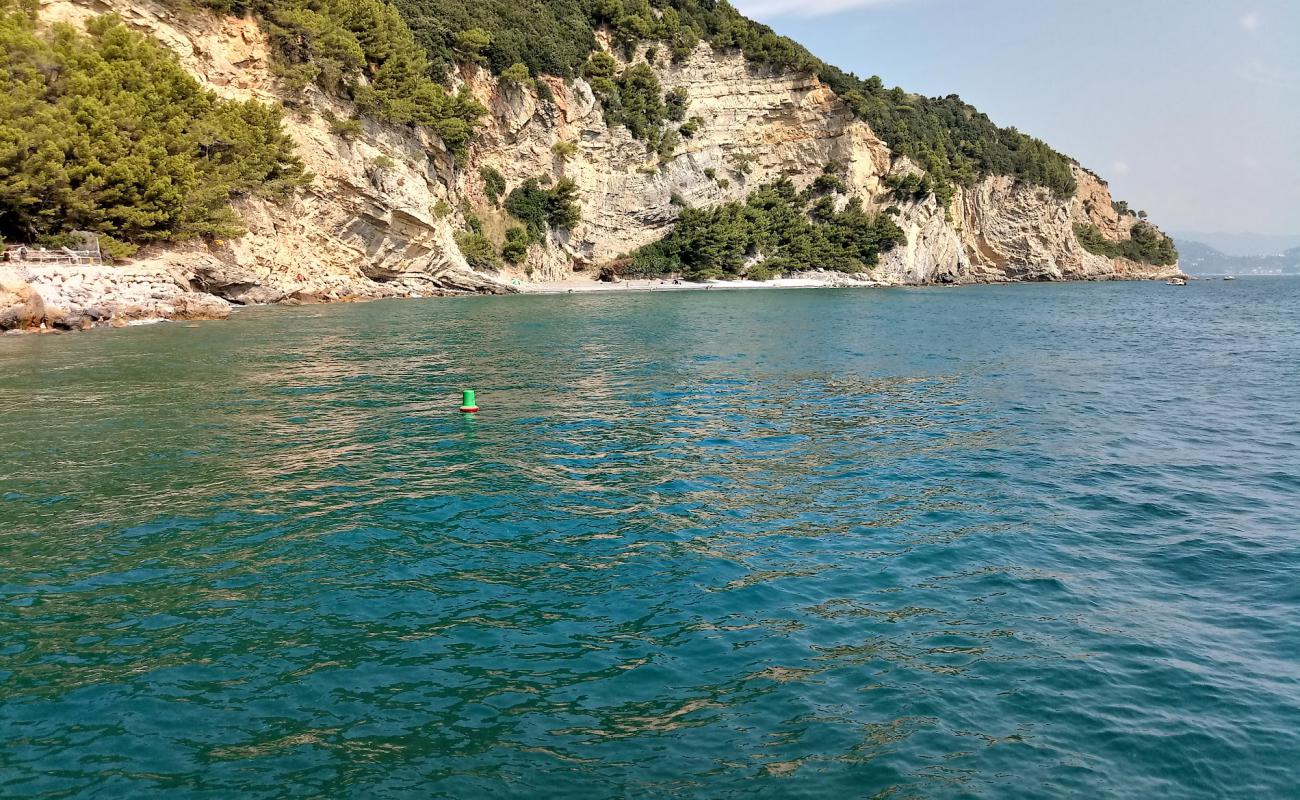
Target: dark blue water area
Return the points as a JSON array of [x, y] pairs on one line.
[[1008, 541]]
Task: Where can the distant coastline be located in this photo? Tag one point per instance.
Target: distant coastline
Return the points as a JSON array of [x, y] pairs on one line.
[[1199, 258]]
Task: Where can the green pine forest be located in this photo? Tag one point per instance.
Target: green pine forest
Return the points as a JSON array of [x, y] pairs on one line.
[[953, 141], [1145, 244], [787, 228], [103, 131]]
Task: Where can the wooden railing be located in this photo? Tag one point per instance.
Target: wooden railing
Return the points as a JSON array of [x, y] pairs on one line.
[[63, 255]]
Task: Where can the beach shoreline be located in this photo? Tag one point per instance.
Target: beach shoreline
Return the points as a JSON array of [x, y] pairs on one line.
[[63, 299], [807, 280]]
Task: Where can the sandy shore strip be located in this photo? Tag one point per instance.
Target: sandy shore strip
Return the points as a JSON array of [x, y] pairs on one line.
[[811, 280]]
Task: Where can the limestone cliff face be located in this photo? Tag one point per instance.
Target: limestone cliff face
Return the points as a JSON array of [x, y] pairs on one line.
[[367, 226], [381, 215], [781, 125], [757, 128]]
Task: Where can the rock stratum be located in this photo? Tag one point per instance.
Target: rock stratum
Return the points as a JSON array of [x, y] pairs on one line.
[[380, 216]]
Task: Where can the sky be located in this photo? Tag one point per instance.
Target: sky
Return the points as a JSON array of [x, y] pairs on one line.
[[1189, 108]]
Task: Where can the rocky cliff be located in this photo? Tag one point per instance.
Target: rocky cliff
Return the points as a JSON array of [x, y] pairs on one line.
[[379, 218]]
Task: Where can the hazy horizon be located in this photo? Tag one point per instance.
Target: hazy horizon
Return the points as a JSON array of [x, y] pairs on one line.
[[1240, 244], [1191, 110]]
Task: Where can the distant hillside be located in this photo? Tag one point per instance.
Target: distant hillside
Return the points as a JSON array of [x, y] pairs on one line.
[[1241, 244], [1198, 258]]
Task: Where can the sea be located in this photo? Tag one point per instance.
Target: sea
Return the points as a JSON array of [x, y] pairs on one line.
[[1014, 541]]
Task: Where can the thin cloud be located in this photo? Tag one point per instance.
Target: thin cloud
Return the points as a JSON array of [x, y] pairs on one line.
[[802, 8], [1266, 66], [1257, 71]]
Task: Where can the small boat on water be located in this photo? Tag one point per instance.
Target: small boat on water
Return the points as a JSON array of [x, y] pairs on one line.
[[1176, 282], [1229, 278]]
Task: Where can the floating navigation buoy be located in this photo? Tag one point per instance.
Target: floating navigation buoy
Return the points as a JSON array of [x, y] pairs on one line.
[[468, 404]]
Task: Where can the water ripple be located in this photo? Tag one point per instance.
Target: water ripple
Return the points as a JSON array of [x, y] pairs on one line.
[[1007, 542]]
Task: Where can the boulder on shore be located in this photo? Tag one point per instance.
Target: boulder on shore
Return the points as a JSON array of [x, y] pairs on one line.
[[21, 306], [194, 305]]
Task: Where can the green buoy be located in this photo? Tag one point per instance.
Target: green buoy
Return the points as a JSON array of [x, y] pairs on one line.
[[468, 405]]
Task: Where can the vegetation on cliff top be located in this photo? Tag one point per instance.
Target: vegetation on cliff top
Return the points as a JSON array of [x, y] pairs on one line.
[[365, 51], [105, 132], [386, 57], [786, 228], [550, 38], [1145, 244], [953, 141]]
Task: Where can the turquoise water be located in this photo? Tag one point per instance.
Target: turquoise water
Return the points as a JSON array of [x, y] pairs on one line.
[[1017, 541]]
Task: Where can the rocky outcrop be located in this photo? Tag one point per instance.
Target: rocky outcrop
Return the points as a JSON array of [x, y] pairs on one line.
[[1001, 230], [21, 306], [74, 296], [380, 216]]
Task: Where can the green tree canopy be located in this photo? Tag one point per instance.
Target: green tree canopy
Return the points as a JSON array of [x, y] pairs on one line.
[[105, 132], [542, 208], [953, 141], [1145, 244], [364, 50], [778, 225]]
